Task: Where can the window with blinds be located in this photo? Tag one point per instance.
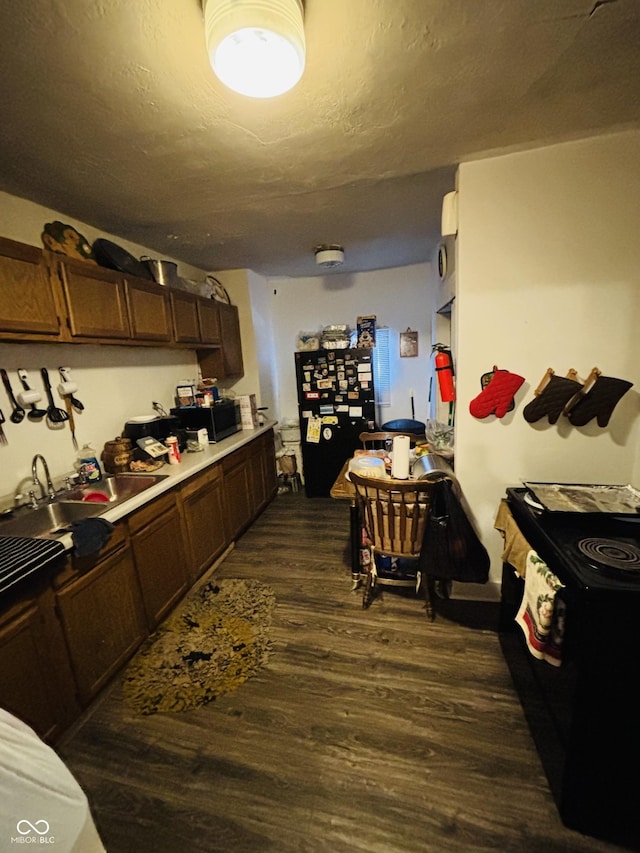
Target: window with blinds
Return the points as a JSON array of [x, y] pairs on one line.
[[382, 367]]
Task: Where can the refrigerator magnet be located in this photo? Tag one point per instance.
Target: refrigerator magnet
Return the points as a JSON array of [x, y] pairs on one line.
[[312, 395], [313, 430], [327, 433]]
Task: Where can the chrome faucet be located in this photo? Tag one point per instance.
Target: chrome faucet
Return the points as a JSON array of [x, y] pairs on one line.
[[51, 492]]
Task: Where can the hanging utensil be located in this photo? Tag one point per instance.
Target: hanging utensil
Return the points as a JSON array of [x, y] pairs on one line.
[[72, 423], [67, 387], [18, 412], [3, 437], [28, 397], [55, 414]]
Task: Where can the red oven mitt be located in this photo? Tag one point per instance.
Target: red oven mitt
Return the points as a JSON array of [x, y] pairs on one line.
[[496, 398]]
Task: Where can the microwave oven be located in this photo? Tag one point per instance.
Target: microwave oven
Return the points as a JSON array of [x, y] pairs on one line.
[[220, 420]]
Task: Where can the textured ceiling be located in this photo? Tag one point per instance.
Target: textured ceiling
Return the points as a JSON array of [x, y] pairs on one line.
[[112, 116]]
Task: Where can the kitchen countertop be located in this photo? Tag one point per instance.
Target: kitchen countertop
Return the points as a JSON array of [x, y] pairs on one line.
[[190, 464]]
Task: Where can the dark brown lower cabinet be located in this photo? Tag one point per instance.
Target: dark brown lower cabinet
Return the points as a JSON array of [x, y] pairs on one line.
[[238, 486], [65, 633], [206, 531], [36, 682], [103, 619], [159, 554]]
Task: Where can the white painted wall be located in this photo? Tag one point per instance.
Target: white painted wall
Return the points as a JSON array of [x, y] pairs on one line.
[[114, 384], [400, 298], [548, 275]]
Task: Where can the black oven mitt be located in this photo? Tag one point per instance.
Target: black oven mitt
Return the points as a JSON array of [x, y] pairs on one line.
[[599, 402], [551, 401]]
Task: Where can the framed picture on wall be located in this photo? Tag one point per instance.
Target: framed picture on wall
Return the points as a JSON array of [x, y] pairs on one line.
[[408, 344]]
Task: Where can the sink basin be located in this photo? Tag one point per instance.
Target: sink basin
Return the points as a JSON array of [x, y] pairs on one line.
[[48, 519], [111, 490]]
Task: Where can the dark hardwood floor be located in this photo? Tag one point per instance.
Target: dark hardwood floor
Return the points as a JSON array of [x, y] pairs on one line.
[[369, 730]]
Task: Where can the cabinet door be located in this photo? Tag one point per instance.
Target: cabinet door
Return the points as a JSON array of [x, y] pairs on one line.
[[103, 621], [237, 492], [96, 302], [36, 683], [209, 317], [231, 343], [224, 362], [184, 310], [206, 533], [149, 314], [159, 554], [28, 304], [255, 477], [268, 461]]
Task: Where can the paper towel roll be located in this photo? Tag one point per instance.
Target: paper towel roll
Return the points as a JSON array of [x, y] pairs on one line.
[[400, 462]]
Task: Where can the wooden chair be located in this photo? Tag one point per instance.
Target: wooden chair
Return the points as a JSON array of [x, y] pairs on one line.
[[376, 440], [395, 515]]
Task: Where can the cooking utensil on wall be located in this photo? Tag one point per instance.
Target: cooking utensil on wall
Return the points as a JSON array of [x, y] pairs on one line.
[[3, 437], [67, 388], [18, 412], [54, 413], [72, 423], [30, 397]]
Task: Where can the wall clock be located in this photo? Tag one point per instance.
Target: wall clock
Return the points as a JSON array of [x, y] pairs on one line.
[[442, 262]]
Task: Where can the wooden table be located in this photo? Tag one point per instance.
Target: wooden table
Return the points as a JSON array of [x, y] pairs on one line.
[[344, 490]]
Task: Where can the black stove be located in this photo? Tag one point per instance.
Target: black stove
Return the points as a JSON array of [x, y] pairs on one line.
[[583, 714], [593, 550]]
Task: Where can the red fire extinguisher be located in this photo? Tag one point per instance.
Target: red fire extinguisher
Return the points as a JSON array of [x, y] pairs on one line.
[[444, 372]]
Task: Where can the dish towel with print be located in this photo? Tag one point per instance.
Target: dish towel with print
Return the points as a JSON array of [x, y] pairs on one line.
[[541, 614]]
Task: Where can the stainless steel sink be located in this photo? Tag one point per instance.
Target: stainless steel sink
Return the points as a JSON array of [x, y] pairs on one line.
[[87, 501], [111, 490], [48, 519]]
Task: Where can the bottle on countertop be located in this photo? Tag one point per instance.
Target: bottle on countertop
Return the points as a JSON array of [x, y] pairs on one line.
[[88, 465], [174, 449]]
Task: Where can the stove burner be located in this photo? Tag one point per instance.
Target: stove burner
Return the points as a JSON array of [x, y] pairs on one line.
[[611, 552]]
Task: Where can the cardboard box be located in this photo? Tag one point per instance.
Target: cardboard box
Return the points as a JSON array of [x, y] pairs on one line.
[[248, 411], [366, 332]]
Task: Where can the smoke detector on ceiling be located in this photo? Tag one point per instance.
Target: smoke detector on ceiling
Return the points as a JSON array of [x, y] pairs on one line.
[[329, 255]]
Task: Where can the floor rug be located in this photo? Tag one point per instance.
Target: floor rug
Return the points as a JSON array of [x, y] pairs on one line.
[[212, 643]]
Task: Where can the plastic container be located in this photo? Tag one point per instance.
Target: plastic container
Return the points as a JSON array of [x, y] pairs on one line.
[[88, 465], [290, 433]]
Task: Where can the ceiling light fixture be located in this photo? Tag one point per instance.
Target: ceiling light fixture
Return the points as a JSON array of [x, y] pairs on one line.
[[256, 47], [329, 255]]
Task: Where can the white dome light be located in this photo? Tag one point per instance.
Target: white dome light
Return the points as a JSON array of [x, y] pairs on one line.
[[256, 47], [329, 255]]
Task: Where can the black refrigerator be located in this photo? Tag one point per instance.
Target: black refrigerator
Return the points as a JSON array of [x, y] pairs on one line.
[[335, 404]]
